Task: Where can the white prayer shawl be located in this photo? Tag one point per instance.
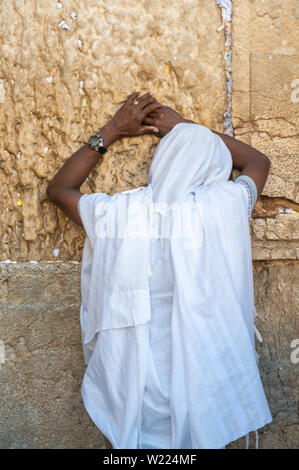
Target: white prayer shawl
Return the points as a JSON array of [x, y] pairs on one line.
[[216, 391]]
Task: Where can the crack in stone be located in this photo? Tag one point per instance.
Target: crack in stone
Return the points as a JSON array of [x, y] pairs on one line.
[[226, 10], [268, 134], [263, 119]]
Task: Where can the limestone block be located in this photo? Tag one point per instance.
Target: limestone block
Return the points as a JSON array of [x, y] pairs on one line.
[[274, 251], [63, 77], [276, 237], [283, 227], [266, 86]]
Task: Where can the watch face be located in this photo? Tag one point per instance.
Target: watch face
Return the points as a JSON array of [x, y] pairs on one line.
[[96, 143]]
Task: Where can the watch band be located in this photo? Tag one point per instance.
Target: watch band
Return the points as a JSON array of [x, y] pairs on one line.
[[96, 142]]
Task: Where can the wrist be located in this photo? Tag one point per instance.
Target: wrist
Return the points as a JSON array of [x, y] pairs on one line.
[[109, 134]]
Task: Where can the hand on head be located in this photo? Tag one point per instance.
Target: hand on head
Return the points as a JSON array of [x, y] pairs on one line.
[[144, 115], [164, 118], [128, 120]]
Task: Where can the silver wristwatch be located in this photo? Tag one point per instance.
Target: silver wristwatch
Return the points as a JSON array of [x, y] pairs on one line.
[[96, 142]]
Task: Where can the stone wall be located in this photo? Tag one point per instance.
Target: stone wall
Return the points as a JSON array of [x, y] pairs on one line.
[[65, 71], [46, 115]]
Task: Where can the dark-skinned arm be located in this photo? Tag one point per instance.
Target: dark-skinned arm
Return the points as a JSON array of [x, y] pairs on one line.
[[246, 159], [64, 187], [127, 122]]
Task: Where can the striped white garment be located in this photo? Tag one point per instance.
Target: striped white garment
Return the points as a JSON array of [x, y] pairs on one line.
[[252, 198], [251, 190], [170, 356]]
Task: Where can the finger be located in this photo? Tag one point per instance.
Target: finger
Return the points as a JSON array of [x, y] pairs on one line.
[[153, 115], [146, 102], [144, 97], [148, 130], [158, 112], [150, 121], [133, 96], [150, 108]]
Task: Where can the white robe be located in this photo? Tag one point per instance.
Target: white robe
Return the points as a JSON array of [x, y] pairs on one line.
[[173, 367]]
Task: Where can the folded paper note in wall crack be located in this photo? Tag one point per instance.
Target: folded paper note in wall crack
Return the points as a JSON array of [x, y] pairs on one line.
[[226, 8], [2, 91]]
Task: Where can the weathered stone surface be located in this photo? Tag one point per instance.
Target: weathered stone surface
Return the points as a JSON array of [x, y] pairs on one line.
[[281, 227], [271, 206], [275, 238], [276, 301], [40, 381], [45, 115], [266, 86]]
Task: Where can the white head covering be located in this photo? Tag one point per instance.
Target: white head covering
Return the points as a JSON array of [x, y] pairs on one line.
[[188, 157], [216, 389]]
